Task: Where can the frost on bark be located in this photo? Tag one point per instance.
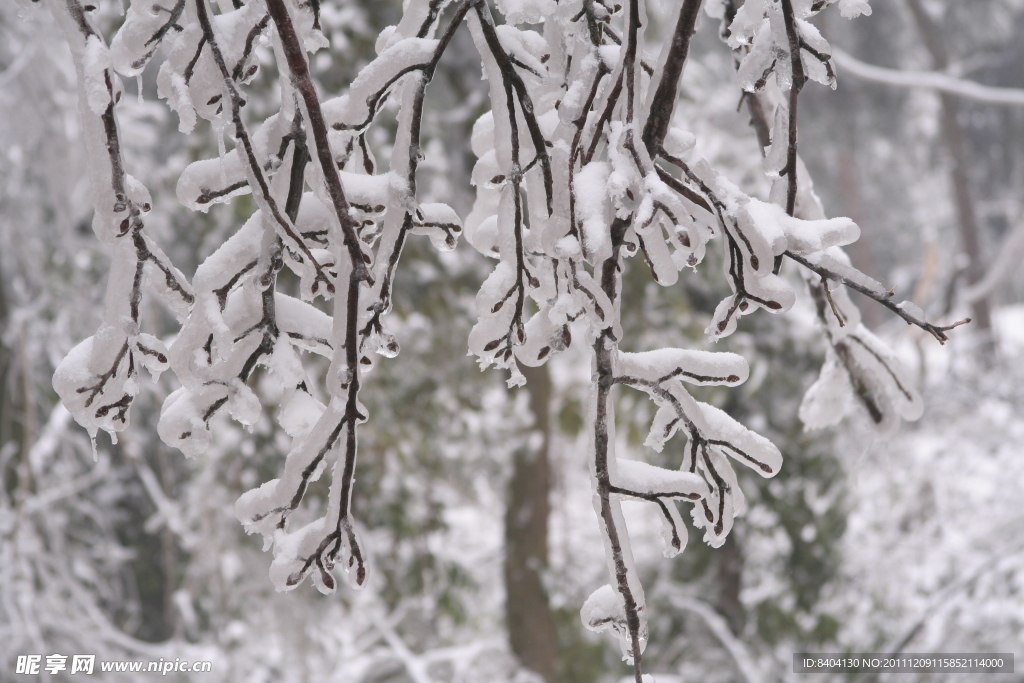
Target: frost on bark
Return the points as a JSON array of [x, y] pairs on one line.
[[582, 172]]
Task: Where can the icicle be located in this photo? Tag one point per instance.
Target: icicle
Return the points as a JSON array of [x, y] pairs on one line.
[[95, 449], [138, 87], [221, 150]]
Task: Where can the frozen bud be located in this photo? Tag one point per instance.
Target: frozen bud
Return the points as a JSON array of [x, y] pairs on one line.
[[388, 346]]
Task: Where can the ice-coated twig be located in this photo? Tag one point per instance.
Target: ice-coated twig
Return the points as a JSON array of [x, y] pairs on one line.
[[98, 380], [883, 297], [620, 556], [868, 370], [254, 171], [514, 82], [393, 239], [330, 546]]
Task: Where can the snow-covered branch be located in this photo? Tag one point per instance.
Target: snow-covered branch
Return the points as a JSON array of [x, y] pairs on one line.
[[580, 166], [928, 80]]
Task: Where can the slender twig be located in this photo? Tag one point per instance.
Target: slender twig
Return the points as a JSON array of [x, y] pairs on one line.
[[515, 81], [242, 135], [250, 43], [416, 120], [937, 331]]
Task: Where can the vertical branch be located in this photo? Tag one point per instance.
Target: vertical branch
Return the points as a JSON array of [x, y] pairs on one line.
[[799, 78], [663, 101], [352, 417], [630, 59], [299, 75], [406, 161], [604, 350], [300, 78], [119, 204]]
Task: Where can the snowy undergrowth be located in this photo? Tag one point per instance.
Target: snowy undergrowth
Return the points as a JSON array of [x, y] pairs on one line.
[[935, 550]]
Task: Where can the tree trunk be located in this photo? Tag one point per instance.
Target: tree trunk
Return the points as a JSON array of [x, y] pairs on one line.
[[7, 474], [531, 623], [954, 140], [16, 423], [730, 582]]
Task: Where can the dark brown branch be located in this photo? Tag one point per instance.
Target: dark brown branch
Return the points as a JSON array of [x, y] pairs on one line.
[[299, 72], [666, 92], [732, 231], [593, 22], [723, 489], [433, 12], [630, 58], [172, 22], [610, 276], [300, 78], [764, 467], [658, 499], [654, 496], [798, 78], [285, 510], [759, 120], [101, 380], [191, 66], [515, 334], [222, 292], [268, 321], [832, 304], [825, 59], [352, 415], [206, 195], [250, 42], [605, 117], [937, 331]]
